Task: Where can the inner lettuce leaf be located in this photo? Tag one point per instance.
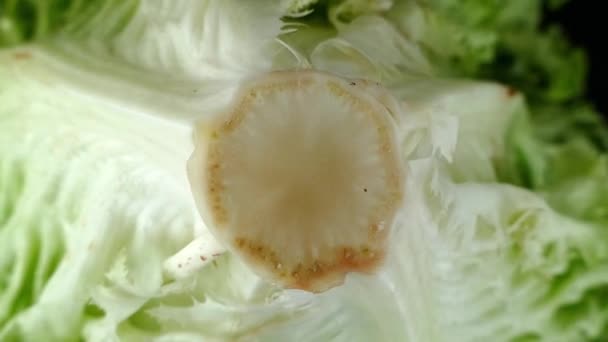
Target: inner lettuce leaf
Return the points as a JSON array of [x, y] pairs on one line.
[[503, 234], [564, 160]]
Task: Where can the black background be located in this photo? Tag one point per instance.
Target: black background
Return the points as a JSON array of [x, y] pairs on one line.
[[581, 22]]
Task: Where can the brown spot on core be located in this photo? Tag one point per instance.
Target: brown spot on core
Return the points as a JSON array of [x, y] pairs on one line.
[[511, 91], [317, 275], [22, 55]]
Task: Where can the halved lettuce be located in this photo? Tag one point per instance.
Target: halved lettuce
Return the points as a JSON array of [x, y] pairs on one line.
[[503, 234]]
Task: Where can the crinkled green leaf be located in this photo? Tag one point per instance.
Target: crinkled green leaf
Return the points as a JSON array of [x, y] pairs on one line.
[[563, 157]]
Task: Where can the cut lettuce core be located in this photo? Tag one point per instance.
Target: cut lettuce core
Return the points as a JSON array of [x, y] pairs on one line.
[[302, 178]]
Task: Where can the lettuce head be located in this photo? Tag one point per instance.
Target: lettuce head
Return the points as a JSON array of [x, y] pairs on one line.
[[298, 170]]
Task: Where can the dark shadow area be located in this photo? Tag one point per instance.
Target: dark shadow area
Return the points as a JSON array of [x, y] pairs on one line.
[[581, 22]]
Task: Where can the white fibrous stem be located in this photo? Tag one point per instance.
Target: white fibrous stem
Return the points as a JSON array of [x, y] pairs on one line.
[[192, 258]]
